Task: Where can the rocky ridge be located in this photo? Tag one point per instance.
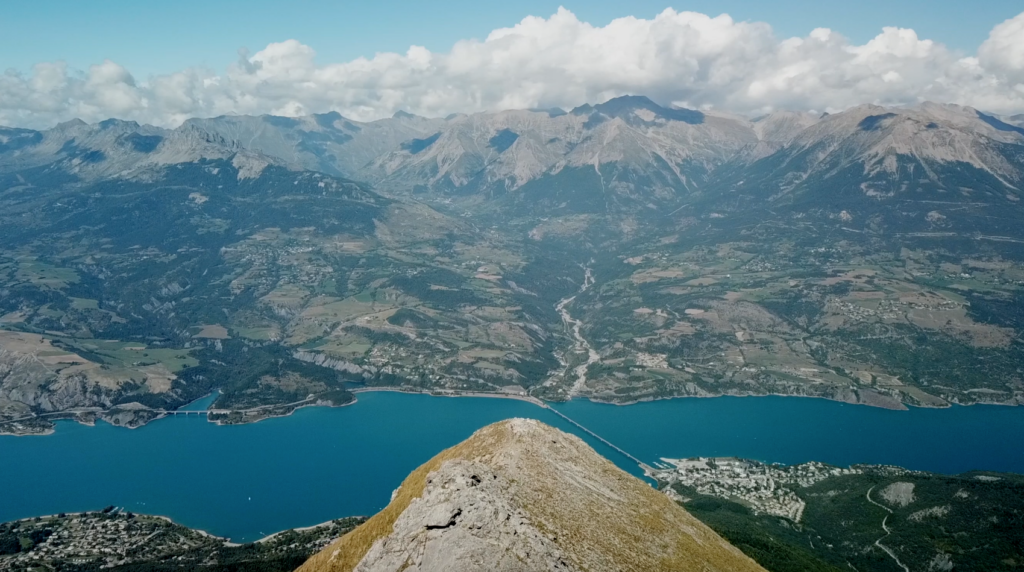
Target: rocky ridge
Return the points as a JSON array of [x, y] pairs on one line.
[[520, 495], [638, 154]]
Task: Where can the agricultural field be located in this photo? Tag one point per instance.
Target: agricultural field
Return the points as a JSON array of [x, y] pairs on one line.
[[838, 322], [275, 307]]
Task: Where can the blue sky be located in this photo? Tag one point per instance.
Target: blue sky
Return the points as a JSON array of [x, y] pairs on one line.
[[160, 37]]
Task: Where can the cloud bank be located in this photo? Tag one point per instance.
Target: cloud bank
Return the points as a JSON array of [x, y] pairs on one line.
[[685, 58]]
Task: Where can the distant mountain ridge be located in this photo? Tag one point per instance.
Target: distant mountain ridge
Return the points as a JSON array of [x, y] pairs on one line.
[[625, 154]]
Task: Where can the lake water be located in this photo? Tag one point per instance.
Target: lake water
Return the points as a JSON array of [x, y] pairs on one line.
[[251, 480]]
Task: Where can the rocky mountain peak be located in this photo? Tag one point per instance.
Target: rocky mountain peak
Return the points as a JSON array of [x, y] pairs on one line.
[[520, 495], [783, 126], [638, 109], [118, 124], [929, 133], [70, 124]]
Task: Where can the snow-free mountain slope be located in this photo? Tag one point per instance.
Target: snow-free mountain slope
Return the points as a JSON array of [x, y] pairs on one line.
[[626, 153], [623, 155], [118, 149], [870, 153], [325, 142]]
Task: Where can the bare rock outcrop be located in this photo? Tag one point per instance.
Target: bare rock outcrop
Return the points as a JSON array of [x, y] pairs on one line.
[[465, 520]]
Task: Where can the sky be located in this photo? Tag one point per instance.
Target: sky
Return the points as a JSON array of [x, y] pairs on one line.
[[164, 62]]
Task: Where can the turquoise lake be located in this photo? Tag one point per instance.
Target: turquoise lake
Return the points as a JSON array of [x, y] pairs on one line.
[[251, 480]]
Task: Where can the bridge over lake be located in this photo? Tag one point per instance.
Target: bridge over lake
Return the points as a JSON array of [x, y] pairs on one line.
[[615, 448]]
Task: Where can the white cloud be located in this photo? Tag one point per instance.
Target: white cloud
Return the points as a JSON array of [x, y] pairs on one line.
[[1003, 51], [682, 57]]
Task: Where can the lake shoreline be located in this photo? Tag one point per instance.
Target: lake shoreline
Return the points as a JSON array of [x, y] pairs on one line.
[[435, 393], [496, 395], [906, 407]]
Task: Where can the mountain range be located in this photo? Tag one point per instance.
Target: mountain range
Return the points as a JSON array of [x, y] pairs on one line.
[[643, 154], [619, 251]]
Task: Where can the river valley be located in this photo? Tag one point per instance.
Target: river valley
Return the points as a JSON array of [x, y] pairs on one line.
[[580, 345]]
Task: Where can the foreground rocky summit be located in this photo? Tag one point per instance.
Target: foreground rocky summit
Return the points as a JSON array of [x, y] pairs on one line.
[[520, 495]]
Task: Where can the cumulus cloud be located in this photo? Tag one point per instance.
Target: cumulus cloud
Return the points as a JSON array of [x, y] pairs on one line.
[[1003, 51], [685, 58]]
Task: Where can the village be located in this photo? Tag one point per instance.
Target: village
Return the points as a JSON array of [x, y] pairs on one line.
[[765, 488], [110, 538], [113, 537]]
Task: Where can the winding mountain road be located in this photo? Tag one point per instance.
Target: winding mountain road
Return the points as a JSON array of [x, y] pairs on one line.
[[878, 542]]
